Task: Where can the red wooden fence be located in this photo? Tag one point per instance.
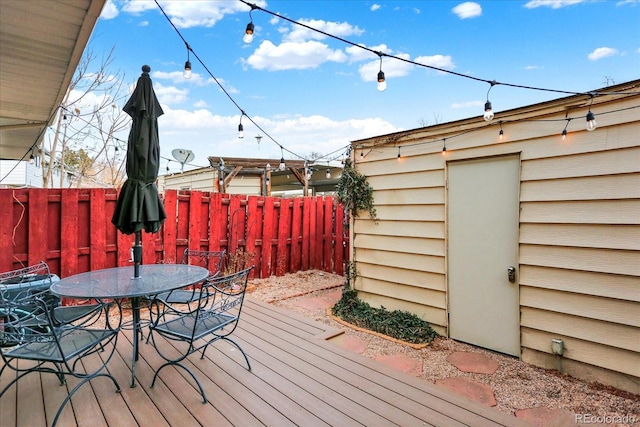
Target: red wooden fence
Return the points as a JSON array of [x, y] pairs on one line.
[[71, 230]]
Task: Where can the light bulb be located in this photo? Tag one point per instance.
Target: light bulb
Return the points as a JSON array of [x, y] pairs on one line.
[[187, 70], [591, 121], [564, 134], [488, 113], [444, 150], [382, 84], [248, 33], [501, 134], [282, 164], [240, 131], [328, 175]]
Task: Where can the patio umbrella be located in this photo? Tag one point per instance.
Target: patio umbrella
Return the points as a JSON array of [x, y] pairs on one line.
[[139, 206]]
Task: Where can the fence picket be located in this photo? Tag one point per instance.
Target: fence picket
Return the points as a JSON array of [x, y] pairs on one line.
[[169, 254], [284, 237]]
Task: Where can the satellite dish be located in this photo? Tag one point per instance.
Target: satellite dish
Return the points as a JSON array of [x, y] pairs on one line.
[[183, 156]]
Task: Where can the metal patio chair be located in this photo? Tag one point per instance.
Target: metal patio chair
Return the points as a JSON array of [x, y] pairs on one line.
[[213, 318], [42, 343], [34, 281], [211, 260]]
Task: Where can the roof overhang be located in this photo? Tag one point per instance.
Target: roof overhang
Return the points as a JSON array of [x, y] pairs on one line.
[[41, 43]]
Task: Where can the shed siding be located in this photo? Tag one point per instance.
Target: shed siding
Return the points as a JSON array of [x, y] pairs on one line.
[[579, 238]]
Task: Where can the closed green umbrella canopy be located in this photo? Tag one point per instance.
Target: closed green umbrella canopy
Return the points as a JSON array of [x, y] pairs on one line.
[[139, 206]]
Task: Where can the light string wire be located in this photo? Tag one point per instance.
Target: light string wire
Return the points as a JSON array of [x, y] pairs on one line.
[[381, 54], [371, 147], [347, 148], [241, 110]]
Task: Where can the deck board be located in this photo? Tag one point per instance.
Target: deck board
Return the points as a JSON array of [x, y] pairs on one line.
[[297, 378]]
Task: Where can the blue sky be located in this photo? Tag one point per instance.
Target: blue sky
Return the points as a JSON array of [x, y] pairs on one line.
[[313, 93]]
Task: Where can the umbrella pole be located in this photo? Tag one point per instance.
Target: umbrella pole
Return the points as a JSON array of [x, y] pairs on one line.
[[137, 254]]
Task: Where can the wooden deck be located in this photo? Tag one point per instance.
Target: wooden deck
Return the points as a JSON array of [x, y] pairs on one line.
[[298, 379]]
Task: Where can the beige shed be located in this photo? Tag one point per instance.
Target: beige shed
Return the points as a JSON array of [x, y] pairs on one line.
[[514, 235]]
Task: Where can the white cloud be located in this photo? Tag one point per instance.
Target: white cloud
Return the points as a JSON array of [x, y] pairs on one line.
[[467, 9], [138, 7], [177, 77], [391, 68], [144, 24], [602, 52], [553, 4], [170, 94], [109, 11], [339, 29], [439, 61], [289, 56], [532, 67], [301, 134], [375, 7], [186, 14]]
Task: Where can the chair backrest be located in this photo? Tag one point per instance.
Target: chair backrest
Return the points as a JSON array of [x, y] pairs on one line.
[[211, 260], [222, 298], [27, 282], [24, 312]]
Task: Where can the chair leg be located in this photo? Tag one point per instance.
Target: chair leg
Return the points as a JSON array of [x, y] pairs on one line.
[[21, 373], [246, 359], [80, 384], [155, 376]]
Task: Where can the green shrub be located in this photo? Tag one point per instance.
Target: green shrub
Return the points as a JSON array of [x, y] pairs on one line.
[[398, 324]]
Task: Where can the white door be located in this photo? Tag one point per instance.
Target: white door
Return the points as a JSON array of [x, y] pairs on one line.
[[483, 218]]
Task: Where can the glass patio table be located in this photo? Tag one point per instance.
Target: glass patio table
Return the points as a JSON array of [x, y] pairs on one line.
[[119, 282]]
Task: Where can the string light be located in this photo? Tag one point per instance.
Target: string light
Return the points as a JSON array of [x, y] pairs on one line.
[[591, 118], [240, 127], [488, 112], [32, 158], [328, 174], [564, 131], [248, 32], [501, 133], [187, 65], [382, 84], [282, 165], [591, 121], [444, 147], [399, 152]]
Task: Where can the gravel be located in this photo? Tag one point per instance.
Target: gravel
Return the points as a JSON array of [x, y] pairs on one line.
[[516, 385]]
